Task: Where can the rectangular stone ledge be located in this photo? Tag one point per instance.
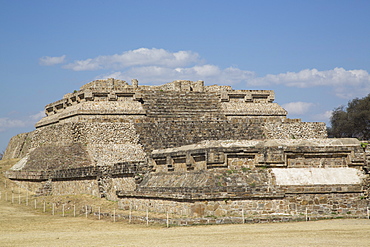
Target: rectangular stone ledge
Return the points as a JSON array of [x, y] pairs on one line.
[[268, 157], [117, 170], [58, 102], [91, 172], [261, 115], [357, 162], [76, 173], [81, 96], [197, 196], [220, 190], [248, 95], [322, 189], [128, 168], [56, 119], [271, 164], [46, 122], [28, 175], [101, 113]]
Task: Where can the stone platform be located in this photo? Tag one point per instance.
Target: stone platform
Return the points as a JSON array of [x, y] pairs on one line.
[[203, 151]]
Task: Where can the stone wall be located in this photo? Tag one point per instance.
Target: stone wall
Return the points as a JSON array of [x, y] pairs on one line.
[[54, 157], [34, 186], [340, 204], [117, 122], [100, 181], [259, 177], [295, 130], [90, 187], [57, 134], [76, 187], [18, 146], [119, 183], [270, 177], [247, 154], [91, 111], [167, 134], [101, 143], [110, 143], [204, 151], [86, 132]]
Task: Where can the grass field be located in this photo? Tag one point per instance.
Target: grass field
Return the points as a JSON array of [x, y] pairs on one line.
[[22, 225]]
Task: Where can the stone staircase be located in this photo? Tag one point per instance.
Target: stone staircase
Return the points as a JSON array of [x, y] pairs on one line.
[[180, 118], [182, 106]]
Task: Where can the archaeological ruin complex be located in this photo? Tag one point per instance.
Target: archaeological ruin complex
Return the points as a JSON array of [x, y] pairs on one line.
[[203, 151]]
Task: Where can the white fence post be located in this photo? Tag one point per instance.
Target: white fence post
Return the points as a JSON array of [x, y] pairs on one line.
[[147, 216]]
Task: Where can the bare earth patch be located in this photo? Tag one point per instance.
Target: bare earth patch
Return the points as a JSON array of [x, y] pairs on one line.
[[21, 227]]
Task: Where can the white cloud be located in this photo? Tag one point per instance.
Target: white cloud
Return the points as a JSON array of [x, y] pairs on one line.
[[298, 108], [345, 83], [37, 116], [6, 123], [138, 57], [80, 65], [209, 73], [325, 116], [48, 61], [156, 66]]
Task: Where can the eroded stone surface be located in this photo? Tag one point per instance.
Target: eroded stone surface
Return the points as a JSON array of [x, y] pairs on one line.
[[199, 150]]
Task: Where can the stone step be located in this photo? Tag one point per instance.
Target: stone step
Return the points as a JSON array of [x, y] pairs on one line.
[[182, 105], [200, 103], [188, 105], [187, 116], [167, 109], [183, 113], [191, 106], [172, 93]]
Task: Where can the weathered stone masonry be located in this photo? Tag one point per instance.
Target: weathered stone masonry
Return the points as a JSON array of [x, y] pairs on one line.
[[216, 178], [198, 150], [116, 116]]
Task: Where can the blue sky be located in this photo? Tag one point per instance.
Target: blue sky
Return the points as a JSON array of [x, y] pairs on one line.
[[314, 54]]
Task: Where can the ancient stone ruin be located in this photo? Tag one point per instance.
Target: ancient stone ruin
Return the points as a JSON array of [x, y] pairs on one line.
[[203, 151]]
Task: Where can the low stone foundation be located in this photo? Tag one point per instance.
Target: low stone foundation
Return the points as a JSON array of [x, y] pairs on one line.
[[75, 187], [33, 186], [329, 204], [101, 181], [322, 178]]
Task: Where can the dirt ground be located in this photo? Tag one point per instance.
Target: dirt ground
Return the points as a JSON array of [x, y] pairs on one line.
[[21, 225]]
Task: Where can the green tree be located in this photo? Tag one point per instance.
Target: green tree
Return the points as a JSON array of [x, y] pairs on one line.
[[353, 120]]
